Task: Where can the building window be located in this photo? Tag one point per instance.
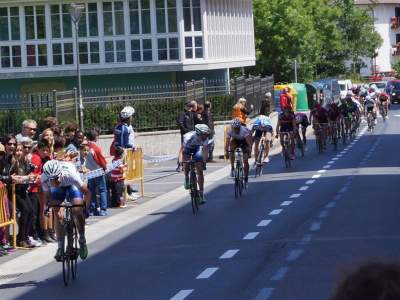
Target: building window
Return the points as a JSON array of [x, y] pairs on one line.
[[9, 24], [166, 16], [115, 51], [35, 22], [139, 15], [36, 55], [10, 56], [194, 47], [63, 54], [168, 49], [113, 15], [192, 15], [61, 25], [88, 24], [141, 50], [89, 53]]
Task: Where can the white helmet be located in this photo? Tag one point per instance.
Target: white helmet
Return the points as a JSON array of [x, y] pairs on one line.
[[373, 95], [366, 86], [202, 129], [268, 95], [127, 112], [52, 169]]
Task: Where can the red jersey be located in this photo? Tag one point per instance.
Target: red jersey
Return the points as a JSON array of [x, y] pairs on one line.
[[37, 161], [285, 101]]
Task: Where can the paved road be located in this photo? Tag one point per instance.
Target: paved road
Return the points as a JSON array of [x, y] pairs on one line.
[[291, 236]]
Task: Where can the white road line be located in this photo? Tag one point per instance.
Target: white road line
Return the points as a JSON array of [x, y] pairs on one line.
[[229, 254], [310, 181], [331, 162], [326, 166], [264, 294], [306, 239], [294, 254], [331, 204], [182, 294], [304, 188], [316, 176], [337, 197], [264, 223], [286, 203], [315, 226], [293, 196], [343, 190], [339, 155], [321, 171], [280, 274], [323, 214], [335, 158], [275, 212], [251, 236], [207, 273]]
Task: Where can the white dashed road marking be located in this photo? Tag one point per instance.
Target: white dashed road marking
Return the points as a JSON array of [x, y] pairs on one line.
[[264, 223], [294, 254], [310, 181], [331, 205], [306, 239], [264, 294], [251, 236], [315, 226], [293, 196], [316, 176], [275, 212], [182, 294], [326, 166], [304, 188], [343, 190], [286, 203], [207, 273], [323, 214], [229, 254], [321, 171], [280, 274]]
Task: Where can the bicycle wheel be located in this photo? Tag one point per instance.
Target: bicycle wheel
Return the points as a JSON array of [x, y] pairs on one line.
[[300, 145], [74, 254], [66, 266], [193, 192], [237, 182], [259, 165]]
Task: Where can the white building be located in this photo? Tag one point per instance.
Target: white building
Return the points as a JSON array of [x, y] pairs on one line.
[[122, 42], [387, 24]]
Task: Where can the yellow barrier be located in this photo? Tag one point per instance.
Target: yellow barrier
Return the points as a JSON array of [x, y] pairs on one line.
[[6, 220], [135, 167]]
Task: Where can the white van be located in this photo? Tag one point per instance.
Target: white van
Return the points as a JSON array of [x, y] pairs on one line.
[[345, 86]]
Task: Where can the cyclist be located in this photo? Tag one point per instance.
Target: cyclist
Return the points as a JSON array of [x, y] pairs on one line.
[[262, 130], [287, 124], [238, 136], [195, 143], [384, 102], [302, 120], [370, 107], [62, 182], [320, 117], [334, 117]]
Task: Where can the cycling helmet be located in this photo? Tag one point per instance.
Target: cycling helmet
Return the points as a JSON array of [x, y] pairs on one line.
[[127, 112], [242, 100], [202, 129], [366, 86], [268, 95], [368, 98], [236, 123], [373, 95], [52, 169]]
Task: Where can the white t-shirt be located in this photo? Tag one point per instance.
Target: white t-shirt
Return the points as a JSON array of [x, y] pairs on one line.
[[242, 135], [191, 140], [69, 177]]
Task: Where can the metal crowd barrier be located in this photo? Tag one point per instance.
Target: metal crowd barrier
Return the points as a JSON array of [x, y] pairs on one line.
[[135, 167], [6, 218]]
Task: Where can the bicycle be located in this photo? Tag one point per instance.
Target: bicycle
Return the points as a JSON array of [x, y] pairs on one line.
[[70, 253], [239, 173], [370, 122], [260, 157], [299, 143], [194, 191], [334, 135], [320, 137], [383, 111], [286, 149]]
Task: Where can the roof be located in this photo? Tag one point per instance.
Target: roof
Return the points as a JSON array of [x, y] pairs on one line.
[[369, 2]]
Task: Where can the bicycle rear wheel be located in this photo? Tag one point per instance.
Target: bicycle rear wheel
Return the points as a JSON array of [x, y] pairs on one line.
[[66, 267], [259, 165], [74, 254], [194, 194], [238, 182]]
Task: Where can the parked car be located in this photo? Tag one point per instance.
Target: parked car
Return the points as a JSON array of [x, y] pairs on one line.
[[381, 85], [345, 86], [393, 89]]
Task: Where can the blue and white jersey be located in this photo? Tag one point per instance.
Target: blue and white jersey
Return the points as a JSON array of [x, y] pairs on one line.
[[192, 141], [69, 177], [124, 136], [262, 122]]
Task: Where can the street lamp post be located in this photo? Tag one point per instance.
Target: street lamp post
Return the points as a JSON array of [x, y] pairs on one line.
[[76, 11]]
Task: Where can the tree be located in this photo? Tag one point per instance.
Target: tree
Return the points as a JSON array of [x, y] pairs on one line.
[[396, 67]]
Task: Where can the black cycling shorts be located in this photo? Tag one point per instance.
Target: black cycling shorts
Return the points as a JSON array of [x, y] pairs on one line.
[[242, 144], [287, 127], [259, 133]]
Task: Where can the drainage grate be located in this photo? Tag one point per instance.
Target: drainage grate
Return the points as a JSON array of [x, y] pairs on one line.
[[10, 276]]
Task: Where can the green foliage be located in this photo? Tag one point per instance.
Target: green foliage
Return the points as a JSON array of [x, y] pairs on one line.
[[320, 34], [396, 67]]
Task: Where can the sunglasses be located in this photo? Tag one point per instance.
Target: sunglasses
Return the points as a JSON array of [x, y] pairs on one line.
[[11, 144], [28, 147]]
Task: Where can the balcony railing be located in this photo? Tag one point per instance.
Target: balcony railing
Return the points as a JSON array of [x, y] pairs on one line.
[[395, 22]]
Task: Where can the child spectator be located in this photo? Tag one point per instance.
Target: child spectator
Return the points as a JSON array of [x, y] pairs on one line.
[[117, 181], [84, 152]]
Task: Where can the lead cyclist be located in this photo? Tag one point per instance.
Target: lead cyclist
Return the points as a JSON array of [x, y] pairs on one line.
[[62, 182]]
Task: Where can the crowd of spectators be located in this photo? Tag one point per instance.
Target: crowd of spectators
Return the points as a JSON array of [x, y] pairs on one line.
[[22, 157]]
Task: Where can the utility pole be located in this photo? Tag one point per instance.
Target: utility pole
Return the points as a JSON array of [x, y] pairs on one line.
[[295, 70]]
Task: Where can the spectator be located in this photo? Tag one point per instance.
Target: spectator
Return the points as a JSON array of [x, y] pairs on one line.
[[52, 123], [48, 136], [285, 99], [265, 108], [200, 114], [29, 128], [69, 133], [240, 111], [41, 223], [371, 281], [124, 135], [209, 121], [186, 121], [59, 144], [95, 160], [3, 230], [27, 145], [84, 152], [117, 181], [20, 171]]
